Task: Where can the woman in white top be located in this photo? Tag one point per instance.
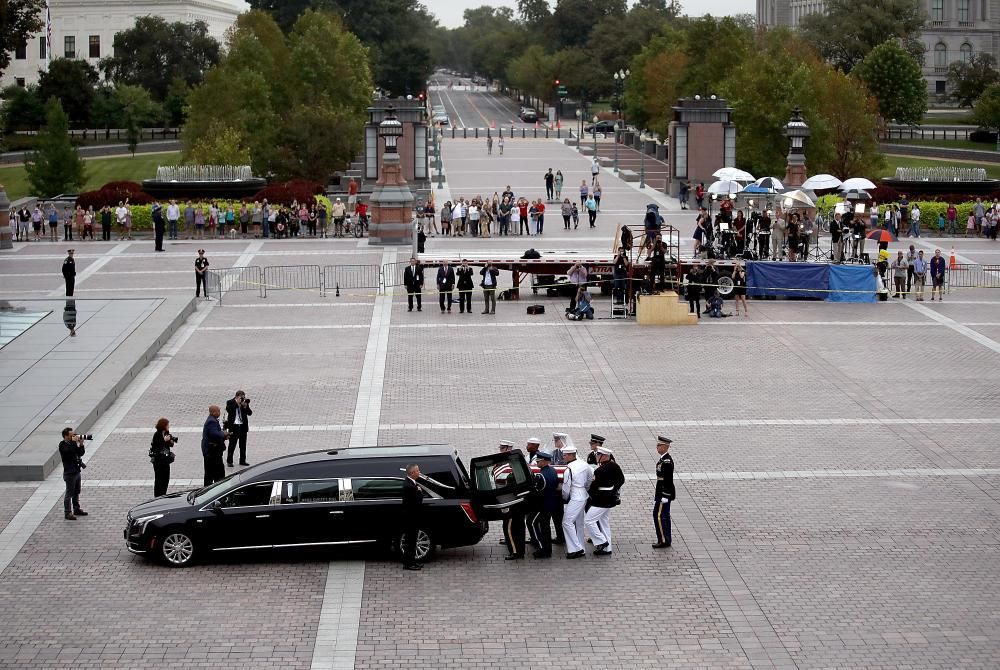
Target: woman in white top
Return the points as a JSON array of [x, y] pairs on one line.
[[474, 220]]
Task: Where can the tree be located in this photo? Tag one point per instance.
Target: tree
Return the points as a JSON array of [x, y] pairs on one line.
[[137, 111], [285, 12], [893, 76], [851, 120], [986, 112], [533, 13], [968, 79], [848, 30], [56, 167], [175, 104], [72, 82], [573, 20], [310, 90], [19, 20], [223, 145], [22, 108], [154, 53]]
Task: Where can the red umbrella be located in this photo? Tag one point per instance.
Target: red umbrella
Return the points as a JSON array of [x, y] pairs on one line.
[[881, 235]]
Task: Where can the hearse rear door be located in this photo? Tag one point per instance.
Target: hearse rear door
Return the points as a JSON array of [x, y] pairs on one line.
[[501, 484]]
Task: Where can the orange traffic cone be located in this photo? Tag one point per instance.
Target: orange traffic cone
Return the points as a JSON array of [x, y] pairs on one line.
[[952, 263], [536, 125], [493, 124], [558, 126]]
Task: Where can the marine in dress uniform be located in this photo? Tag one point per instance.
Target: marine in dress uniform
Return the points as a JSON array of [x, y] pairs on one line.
[[596, 442], [608, 480], [549, 499], [513, 525], [664, 493], [576, 483]]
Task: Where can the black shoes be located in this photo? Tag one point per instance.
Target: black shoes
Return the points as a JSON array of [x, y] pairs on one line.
[[559, 540], [70, 516], [244, 463], [513, 557], [414, 566], [80, 512], [602, 552], [661, 545], [576, 554], [601, 547], [542, 554]]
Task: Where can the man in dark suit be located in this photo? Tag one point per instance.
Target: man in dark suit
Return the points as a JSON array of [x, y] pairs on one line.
[[238, 424], [465, 286], [410, 517], [158, 226], [445, 284], [413, 280], [489, 286], [213, 443]]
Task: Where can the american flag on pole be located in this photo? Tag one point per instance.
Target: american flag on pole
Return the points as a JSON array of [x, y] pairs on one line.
[[48, 33]]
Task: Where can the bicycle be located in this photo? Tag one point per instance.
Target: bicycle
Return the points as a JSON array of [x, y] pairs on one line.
[[360, 227]]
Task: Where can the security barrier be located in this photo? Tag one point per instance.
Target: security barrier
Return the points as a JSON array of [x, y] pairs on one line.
[[511, 132], [337, 277], [969, 275], [220, 281], [284, 277], [392, 274]]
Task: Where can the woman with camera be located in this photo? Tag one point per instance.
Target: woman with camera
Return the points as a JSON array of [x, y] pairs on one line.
[[161, 456]]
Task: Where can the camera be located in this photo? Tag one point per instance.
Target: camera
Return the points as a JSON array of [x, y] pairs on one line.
[[85, 436], [174, 438]]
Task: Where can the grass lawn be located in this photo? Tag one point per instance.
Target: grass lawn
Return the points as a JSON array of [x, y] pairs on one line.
[[948, 144], [99, 171], [893, 162]]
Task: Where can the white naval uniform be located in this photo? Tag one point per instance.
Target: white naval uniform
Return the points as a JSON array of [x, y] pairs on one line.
[[598, 522], [576, 482]]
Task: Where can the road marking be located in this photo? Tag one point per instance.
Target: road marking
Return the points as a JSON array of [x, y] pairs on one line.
[[453, 107], [368, 407], [91, 269], [973, 335], [340, 617]]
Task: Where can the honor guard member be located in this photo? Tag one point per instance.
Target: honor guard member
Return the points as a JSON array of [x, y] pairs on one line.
[[200, 268], [608, 480], [532, 446], [664, 493], [560, 442], [549, 500], [596, 442], [514, 524], [576, 482], [69, 272]]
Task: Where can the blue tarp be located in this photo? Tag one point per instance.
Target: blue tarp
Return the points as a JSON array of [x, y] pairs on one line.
[[809, 280], [847, 280]]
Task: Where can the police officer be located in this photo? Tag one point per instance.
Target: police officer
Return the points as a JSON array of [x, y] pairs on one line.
[[596, 442], [69, 272], [200, 268], [576, 482], [608, 479], [548, 501], [664, 493]]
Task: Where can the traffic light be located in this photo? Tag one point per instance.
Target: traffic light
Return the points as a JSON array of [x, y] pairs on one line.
[[557, 82], [421, 96]]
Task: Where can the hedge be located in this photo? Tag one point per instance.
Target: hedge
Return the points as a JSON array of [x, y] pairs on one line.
[[929, 210]]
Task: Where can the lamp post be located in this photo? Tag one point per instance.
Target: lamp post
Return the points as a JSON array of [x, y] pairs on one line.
[[439, 139], [642, 161], [594, 128], [579, 125], [619, 92], [391, 199]]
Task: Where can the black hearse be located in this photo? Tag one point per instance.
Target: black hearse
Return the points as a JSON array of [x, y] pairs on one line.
[[332, 498]]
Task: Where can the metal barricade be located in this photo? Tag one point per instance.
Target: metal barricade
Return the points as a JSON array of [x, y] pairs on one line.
[[392, 274], [220, 281], [969, 275], [285, 277], [336, 277]]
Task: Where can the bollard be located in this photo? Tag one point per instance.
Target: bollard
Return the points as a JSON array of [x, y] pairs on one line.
[[338, 290]]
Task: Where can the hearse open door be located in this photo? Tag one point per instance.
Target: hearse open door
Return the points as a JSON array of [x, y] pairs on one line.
[[501, 484]]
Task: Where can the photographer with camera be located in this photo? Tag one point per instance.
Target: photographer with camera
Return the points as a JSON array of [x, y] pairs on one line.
[[161, 456], [237, 423], [213, 443], [71, 450]]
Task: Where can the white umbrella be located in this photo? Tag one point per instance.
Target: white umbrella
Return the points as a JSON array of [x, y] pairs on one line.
[[732, 174], [770, 183], [797, 200], [859, 183], [820, 182], [725, 187]]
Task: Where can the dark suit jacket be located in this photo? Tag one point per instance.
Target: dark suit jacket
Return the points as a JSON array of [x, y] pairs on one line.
[[464, 278], [231, 414], [212, 437], [446, 278], [413, 277], [412, 498]]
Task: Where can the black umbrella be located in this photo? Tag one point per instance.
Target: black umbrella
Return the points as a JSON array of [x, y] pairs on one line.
[[855, 194]]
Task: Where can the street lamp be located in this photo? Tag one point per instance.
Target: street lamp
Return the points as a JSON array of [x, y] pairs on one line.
[[642, 161], [579, 134], [439, 139], [390, 130], [594, 128], [619, 92]]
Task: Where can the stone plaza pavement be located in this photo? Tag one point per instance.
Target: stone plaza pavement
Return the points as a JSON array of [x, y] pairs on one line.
[[838, 479]]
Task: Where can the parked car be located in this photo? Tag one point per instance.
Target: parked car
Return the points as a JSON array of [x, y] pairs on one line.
[[344, 497], [601, 127], [440, 119], [528, 115]]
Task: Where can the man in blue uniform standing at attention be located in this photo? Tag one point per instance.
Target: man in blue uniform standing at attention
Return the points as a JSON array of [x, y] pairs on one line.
[[664, 493]]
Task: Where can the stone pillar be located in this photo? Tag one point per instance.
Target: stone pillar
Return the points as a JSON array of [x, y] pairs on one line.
[[391, 206], [796, 131], [6, 239]]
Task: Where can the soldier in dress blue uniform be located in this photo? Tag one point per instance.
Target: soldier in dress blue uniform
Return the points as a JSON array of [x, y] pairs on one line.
[[664, 493], [549, 501]]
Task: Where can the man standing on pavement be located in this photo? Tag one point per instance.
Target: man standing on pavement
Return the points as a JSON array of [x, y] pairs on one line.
[[899, 270], [238, 424], [595, 169], [445, 284], [549, 185], [189, 218], [413, 280], [213, 443], [173, 214], [608, 479], [919, 275], [549, 501], [410, 517], [337, 211], [71, 451], [911, 256], [200, 268], [576, 484], [937, 275], [664, 493], [158, 226], [489, 286], [69, 272]]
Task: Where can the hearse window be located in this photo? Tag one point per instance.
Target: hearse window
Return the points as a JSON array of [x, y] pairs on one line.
[[319, 491], [249, 496], [376, 489]]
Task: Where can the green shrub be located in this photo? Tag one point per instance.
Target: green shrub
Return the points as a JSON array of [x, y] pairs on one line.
[[142, 215]]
